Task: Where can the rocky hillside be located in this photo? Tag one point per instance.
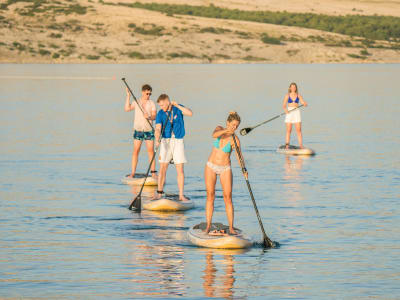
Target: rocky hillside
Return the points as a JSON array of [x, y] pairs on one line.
[[81, 31]]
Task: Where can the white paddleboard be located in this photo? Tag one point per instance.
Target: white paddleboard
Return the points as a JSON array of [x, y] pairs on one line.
[[295, 150], [138, 180], [168, 202], [198, 237]]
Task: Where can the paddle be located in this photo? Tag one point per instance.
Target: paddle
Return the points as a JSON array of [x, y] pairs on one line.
[[266, 241], [137, 202], [246, 130], [134, 98]]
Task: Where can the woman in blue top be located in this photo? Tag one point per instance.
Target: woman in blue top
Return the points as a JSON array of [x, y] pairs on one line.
[[219, 163], [291, 102]]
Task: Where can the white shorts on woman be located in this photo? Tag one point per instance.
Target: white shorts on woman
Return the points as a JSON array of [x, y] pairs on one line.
[[293, 116], [172, 148]]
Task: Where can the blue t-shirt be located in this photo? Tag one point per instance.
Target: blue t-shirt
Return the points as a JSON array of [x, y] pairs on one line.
[[178, 125]]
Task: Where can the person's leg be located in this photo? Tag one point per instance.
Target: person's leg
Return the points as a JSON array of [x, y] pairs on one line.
[[135, 154], [181, 181], [150, 153], [226, 183], [178, 155], [164, 158], [288, 132], [210, 179], [299, 134], [161, 177]]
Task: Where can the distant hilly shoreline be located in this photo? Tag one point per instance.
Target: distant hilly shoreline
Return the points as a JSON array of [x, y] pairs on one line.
[[85, 31]]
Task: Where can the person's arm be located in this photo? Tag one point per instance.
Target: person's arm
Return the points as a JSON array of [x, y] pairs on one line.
[[302, 100], [153, 111], [239, 150], [219, 130], [185, 111], [157, 134], [285, 100], [128, 105]]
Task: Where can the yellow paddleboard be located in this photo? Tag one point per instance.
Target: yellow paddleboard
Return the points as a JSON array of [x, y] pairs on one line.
[[168, 203], [295, 150], [138, 180], [198, 237]]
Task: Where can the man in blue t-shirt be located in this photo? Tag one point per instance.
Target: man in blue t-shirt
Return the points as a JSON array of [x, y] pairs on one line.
[[171, 147]]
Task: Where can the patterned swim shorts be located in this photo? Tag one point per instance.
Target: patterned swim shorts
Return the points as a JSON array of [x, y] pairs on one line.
[[143, 135]]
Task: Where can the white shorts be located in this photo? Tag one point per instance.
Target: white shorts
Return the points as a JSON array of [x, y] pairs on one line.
[[293, 116], [172, 149]]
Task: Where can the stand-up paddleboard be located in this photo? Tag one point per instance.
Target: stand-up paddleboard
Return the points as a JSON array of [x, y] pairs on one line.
[[198, 237], [138, 180], [168, 202], [295, 150]]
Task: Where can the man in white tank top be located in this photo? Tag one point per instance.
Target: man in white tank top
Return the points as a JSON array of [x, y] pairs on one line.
[[145, 113]]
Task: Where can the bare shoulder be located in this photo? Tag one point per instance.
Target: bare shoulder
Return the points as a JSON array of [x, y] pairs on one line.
[[286, 98]]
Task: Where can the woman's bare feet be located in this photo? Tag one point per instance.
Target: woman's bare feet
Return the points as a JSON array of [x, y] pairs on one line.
[[286, 146], [232, 231], [207, 230], [217, 232], [183, 198], [130, 176], [158, 195]]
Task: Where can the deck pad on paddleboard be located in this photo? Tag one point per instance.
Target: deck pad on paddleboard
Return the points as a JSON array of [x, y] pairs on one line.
[[168, 202], [138, 180], [197, 236], [295, 150]]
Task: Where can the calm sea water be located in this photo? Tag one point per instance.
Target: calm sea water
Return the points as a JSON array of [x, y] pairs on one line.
[[66, 142]]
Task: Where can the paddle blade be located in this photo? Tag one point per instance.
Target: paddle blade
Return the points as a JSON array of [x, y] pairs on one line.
[[136, 204], [268, 243], [245, 131]]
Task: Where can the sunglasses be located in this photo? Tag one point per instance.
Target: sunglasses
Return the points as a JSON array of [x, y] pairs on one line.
[[148, 94]]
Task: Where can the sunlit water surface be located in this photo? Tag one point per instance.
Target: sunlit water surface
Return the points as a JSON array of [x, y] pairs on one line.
[[66, 142]]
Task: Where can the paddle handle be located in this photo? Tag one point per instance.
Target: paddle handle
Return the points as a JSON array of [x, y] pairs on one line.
[[134, 98], [267, 241], [276, 117]]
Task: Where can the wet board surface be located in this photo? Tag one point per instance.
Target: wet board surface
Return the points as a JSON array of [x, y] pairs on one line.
[[295, 150], [198, 237], [168, 202], [138, 180]]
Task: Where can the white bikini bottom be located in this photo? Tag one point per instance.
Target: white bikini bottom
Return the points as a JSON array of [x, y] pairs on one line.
[[218, 169]]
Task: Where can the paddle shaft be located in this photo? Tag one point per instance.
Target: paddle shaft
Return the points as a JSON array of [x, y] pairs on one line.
[[267, 241], [134, 98], [152, 159], [276, 117]]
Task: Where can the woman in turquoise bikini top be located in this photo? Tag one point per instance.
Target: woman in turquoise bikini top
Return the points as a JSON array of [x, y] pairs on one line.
[[227, 148], [219, 163]]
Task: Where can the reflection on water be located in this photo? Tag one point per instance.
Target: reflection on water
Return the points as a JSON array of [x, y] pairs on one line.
[[148, 191], [293, 177], [218, 281], [159, 268]]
